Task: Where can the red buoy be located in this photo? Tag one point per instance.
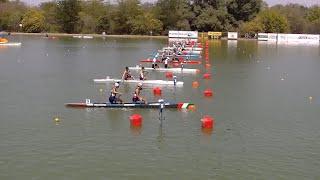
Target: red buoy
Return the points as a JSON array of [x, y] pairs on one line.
[[207, 76], [207, 122], [208, 93], [195, 84], [136, 120], [157, 91], [169, 75]]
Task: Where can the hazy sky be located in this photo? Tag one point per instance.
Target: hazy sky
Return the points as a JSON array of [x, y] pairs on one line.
[[270, 2]]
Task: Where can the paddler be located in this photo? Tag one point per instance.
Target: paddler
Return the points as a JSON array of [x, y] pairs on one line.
[[142, 74], [154, 61], [166, 61], [114, 97], [136, 95], [126, 74]]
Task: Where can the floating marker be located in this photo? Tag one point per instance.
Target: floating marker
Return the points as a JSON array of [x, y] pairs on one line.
[[157, 91], [169, 75], [208, 93], [136, 120], [195, 84], [207, 122], [207, 76]]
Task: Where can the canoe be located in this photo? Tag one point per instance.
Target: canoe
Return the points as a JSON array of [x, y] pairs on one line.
[[175, 62], [186, 48], [176, 70], [156, 82], [11, 44], [181, 55], [129, 105]]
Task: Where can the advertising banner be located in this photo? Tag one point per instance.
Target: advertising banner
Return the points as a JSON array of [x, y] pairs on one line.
[[183, 34], [215, 35], [232, 35], [272, 36], [262, 36]]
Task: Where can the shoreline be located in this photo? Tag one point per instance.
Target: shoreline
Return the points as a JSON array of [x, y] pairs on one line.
[[93, 35], [116, 36]]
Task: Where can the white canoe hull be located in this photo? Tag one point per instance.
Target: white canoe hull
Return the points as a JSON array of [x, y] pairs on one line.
[[187, 52], [176, 70], [186, 48], [156, 82], [11, 44], [84, 37]]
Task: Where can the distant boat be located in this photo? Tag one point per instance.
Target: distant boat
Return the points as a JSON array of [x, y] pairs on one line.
[[11, 44], [83, 37], [87, 37], [5, 42]]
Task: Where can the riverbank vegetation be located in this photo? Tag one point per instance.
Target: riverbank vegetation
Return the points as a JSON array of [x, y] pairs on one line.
[[133, 17]]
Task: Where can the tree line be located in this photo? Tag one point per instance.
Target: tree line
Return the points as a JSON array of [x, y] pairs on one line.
[[134, 17]]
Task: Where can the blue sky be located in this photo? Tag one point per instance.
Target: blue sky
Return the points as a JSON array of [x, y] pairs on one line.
[[270, 2]]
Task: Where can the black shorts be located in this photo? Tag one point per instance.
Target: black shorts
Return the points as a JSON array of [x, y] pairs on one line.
[[135, 99], [113, 100]]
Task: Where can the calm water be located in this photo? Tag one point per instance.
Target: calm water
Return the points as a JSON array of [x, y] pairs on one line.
[[267, 126]]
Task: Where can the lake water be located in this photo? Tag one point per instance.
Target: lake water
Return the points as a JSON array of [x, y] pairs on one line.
[[266, 108]]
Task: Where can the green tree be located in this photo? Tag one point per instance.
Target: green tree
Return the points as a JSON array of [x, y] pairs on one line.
[[313, 13], [33, 21], [146, 24], [215, 4], [273, 22], [251, 28], [314, 27], [67, 15], [313, 18], [104, 24], [174, 14], [123, 14], [295, 15], [213, 20], [244, 10], [91, 13], [49, 10], [11, 13]]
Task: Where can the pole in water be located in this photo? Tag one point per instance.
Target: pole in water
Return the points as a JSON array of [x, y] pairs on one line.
[[174, 80], [161, 101]]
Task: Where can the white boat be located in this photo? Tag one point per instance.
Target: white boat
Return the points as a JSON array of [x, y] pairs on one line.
[[186, 51], [83, 37], [87, 37], [11, 44], [156, 82], [186, 48], [176, 70]]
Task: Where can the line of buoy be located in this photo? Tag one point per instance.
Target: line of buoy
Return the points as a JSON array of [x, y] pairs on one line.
[[207, 122]]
